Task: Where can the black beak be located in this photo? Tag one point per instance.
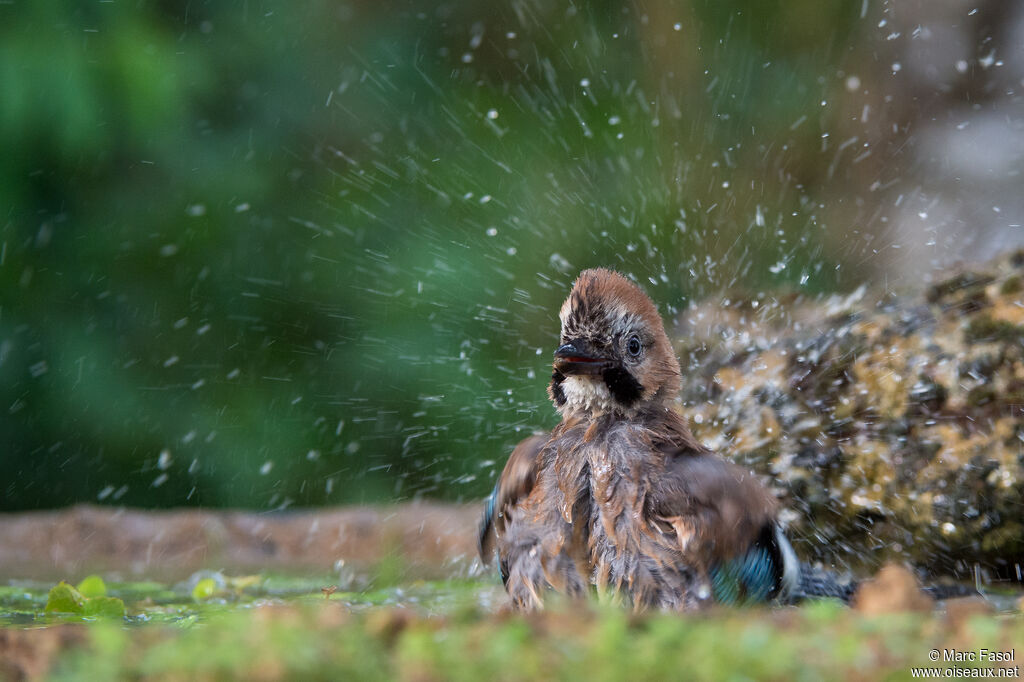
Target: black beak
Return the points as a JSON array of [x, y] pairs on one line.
[[576, 357]]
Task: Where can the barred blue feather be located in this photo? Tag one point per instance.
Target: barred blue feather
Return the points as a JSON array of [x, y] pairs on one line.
[[486, 527], [768, 570], [750, 579]]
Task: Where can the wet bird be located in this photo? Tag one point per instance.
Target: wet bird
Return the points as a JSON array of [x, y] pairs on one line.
[[620, 496]]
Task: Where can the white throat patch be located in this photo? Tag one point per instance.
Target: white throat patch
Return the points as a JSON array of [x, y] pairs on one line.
[[586, 394]]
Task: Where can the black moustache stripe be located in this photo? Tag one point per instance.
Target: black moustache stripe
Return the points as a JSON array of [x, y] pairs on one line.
[[557, 392], [624, 388]]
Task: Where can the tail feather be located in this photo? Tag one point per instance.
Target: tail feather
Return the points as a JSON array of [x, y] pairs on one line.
[[816, 583], [941, 592]]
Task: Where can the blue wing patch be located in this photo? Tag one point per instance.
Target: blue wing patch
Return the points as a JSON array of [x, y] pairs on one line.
[[486, 528], [750, 579]]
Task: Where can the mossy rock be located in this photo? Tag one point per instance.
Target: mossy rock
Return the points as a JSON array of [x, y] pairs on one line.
[[900, 419]]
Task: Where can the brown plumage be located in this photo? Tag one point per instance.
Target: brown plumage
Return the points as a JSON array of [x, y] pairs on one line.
[[620, 496]]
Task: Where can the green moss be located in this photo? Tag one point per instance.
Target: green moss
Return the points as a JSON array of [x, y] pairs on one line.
[[968, 282], [322, 642], [1007, 540], [985, 328], [437, 630], [981, 395], [1011, 285]]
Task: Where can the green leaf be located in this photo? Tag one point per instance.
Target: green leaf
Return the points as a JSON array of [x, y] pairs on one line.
[[65, 599], [104, 607], [243, 582], [92, 586], [204, 589]]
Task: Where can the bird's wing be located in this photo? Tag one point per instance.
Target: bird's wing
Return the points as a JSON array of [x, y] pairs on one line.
[[717, 510], [725, 522], [514, 484]]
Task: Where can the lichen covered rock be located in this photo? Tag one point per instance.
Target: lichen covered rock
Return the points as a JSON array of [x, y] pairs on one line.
[[891, 428]]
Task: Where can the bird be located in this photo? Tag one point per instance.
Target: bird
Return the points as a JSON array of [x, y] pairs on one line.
[[620, 498]]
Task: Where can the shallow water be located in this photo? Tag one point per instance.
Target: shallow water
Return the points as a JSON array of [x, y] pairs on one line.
[[23, 602]]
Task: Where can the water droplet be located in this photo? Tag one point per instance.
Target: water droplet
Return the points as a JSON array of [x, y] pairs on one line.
[[163, 462]]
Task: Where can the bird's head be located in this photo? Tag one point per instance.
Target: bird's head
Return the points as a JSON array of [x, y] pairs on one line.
[[614, 354]]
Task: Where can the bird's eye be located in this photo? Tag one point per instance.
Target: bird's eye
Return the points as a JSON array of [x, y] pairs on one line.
[[633, 346]]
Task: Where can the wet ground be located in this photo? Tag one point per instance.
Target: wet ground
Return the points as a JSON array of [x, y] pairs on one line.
[[397, 593], [189, 567]]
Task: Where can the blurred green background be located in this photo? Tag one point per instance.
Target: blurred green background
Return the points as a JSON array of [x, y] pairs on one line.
[[266, 254]]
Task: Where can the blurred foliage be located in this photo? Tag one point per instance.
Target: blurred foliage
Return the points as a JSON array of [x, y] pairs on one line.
[[280, 627], [324, 642], [260, 253]]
